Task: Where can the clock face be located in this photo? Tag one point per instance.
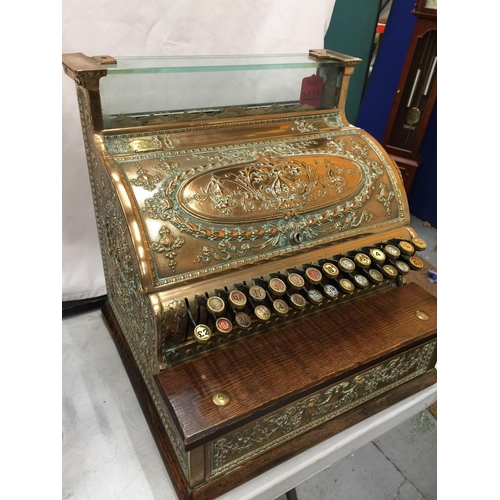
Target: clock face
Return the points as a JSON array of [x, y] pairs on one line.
[[431, 4]]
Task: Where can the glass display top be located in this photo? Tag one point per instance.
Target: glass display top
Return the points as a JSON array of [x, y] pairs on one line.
[[184, 64]]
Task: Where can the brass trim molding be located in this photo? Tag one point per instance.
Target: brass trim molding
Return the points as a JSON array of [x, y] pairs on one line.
[[281, 426]]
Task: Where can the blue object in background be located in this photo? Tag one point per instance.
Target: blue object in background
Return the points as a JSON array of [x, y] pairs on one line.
[[378, 99]]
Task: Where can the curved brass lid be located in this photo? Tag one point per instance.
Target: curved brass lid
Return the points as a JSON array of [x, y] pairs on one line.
[[202, 199]]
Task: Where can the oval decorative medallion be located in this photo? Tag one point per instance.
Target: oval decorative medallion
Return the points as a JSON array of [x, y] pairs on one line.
[[262, 188]]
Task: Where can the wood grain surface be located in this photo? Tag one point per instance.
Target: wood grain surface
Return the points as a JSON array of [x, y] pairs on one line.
[[291, 361]]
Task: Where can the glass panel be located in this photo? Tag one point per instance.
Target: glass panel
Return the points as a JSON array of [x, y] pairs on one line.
[[148, 91]]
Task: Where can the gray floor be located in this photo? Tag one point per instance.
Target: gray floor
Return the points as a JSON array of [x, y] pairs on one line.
[[401, 464]]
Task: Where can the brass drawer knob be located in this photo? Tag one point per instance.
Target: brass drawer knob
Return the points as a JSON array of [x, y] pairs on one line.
[[221, 398]]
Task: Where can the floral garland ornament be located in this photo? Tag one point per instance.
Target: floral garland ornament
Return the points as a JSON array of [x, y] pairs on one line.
[[167, 245]]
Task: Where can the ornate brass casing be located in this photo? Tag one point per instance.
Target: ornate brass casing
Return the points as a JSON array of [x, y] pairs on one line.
[[220, 224]]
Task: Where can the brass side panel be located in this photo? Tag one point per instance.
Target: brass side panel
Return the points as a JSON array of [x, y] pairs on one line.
[[213, 207], [139, 314], [277, 428]]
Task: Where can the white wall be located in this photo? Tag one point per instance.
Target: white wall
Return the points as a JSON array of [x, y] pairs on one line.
[[181, 27]]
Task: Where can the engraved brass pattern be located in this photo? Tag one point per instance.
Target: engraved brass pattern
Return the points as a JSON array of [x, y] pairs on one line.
[[144, 179], [279, 427], [125, 143], [251, 198], [133, 308], [167, 245], [271, 183], [314, 125], [174, 322], [283, 184], [385, 197], [137, 143]]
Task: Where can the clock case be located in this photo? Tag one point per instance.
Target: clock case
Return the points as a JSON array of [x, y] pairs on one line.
[[402, 140]]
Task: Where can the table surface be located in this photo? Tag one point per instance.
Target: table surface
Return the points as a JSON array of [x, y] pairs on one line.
[[109, 452]]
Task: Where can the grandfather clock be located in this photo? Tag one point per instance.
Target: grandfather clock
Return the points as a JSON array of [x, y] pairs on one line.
[[415, 95]]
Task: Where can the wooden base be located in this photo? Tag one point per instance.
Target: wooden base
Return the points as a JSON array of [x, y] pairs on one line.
[[263, 462]]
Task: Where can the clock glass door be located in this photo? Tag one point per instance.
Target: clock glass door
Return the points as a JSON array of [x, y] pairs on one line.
[[419, 85]]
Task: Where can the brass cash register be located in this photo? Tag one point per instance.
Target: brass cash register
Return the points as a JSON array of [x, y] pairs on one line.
[[254, 245]]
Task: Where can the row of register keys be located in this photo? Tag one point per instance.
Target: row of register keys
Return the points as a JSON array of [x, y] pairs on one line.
[[295, 290]]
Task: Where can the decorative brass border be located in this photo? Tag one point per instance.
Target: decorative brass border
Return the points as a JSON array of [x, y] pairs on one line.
[[122, 143], [226, 250], [283, 425]]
